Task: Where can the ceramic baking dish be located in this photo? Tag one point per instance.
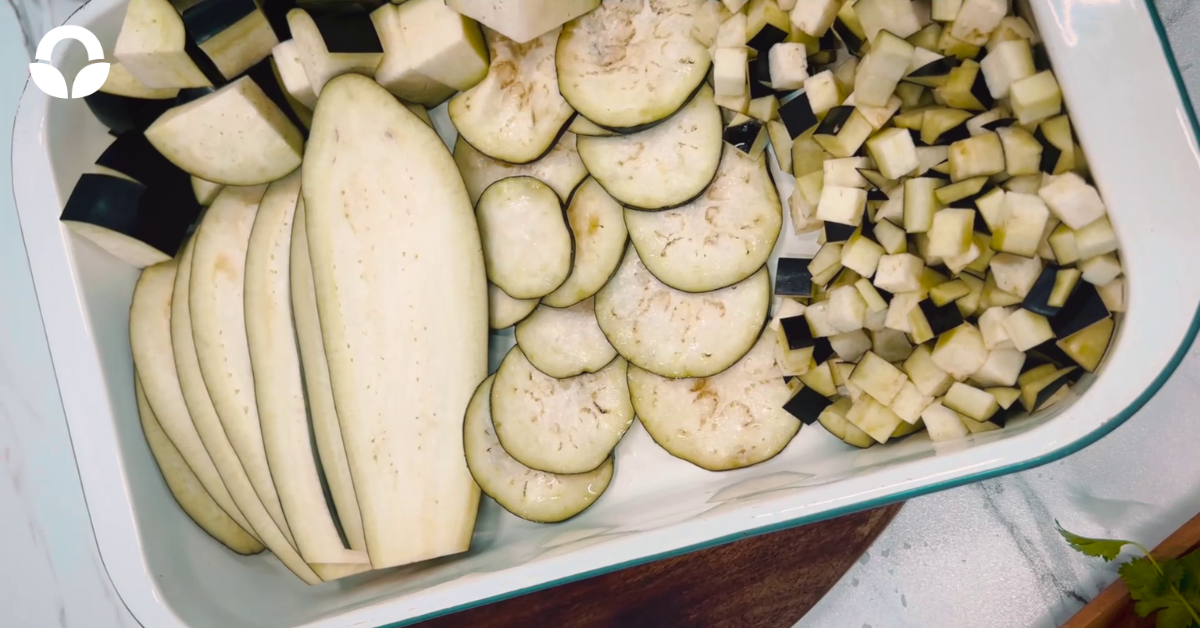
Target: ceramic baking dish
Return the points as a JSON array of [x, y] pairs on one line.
[[1131, 116]]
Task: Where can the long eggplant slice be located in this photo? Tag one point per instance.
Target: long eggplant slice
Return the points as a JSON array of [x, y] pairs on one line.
[[529, 494], [402, 298], [680, 334], [665, 166], [719, 239], [631, 64], [218, 310], [598, 224], [150, 338], [505, 311], [560, 425], [326, 428], [527, 243], [278, 384], [212, 433], [187, 488], [516, 113], [561, 168], [565, 342], [728, 421], [235, 135]]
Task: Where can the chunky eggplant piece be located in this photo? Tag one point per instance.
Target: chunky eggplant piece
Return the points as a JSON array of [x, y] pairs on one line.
[[704, 420], [524, 20], [565, 342], [560, 426], [234, 34], [561, 168], [533, 495], [628, 65], [235, 136], [123, 104], [333, 44], [516, 113], [1037, 300], [527, 244], [719, 239], [749, 136], [598, 225], [688, 145], [154, 47], [940, 319], [833, 419], [679, 334], [843, 131], [1083, 309], [132, 156], [807, 405], [186, 487], [934, 73], [380, 272], [1058, 146], [793, 277], [139, 225], [428, 49], [1087, 346]]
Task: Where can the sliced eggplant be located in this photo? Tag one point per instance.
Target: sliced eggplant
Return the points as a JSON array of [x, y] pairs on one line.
[[336, 43], [150, 339], [560, 426], [522, 21], [233, 34], [186, 487], [124, 104], [727, 421], [153, 46], [505, 311], [133, 157], [139, 225], [598, 226], [529, 494], [565, 342], [205, 191], [679, 334], [631, 167], [719, 239], [561, 168], [327, 431], [582, 126], [379, 276], [235, 136], [527, 244], [278, 384], [516, 113], [292, 75], [628, 65]]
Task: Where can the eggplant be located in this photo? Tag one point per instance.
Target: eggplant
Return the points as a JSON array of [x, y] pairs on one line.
[[807, 405], [798, 116], [793, 277], [599, 228], [527, 243], [1038, 298], [141, 225], [565, 342], [233, 34], [1083, 309], [940, 319], [933, 74], [750, 137], [124, 104], [132, 155], [155, 48]]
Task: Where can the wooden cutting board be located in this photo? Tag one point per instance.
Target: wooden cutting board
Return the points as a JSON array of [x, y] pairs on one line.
[[767, 581]]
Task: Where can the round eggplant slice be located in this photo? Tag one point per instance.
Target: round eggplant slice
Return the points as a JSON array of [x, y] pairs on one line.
[[582, 126], [719, 239], [663, 167], [630, 64], [516, 113], [560, 425], [598, 224], [680, 334], [561, 168], [565, 342], [526, 493], [527, 245], [505, 311], [728, 421]]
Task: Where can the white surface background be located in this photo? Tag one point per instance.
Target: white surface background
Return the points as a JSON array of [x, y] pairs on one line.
[[984, 555]]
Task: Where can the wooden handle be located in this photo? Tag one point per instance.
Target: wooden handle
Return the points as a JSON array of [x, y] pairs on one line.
[[1113, 607]]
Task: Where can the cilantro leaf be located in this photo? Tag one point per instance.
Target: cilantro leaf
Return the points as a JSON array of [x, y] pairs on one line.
[[1108, 549], [1144, 581]]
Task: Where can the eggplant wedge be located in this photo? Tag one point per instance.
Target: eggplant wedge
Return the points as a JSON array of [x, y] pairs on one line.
[[123, 104], [139, 225], [680, 334], [234, 34], [527, 243], [565, 342], [186, 487], [632, 167], [327, 431], [598, 225], [532, 495], [212, 433], [155, 48], [627, 65], [562, 426], [561, 168], [515, 114], [278, 383], [719, 239], [705, 421], [505, 311], [379, 275]]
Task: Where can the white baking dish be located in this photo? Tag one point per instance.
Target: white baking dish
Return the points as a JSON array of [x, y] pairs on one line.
[[1126, 101]]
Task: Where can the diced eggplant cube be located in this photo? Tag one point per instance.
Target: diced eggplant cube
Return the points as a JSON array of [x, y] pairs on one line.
[[1097, 238], [891, 345], [1015, 274], [929, 69], [941, 318], [826, 264], [950, 234], [960, 351], [909, 403], [853, 41], [878, 378], [1083, 308], [819, 378], [873, 417], [977, 19], [847, 309], [797, 332], [962, 193], [982, 155], [925, 374], [842, 205], [898, 310], [920, 203], [846, 172], [1058, 146], [1022, 151], [1113, 294], [949, 292], [899, 273], [767, 38], [1038, 394], [1088, 345], [729, 71], [842, 134], [1073, 200], [793, 278], [837, 232], [1036, 98], [814, 17], [1005, 396], [806, 405], [870, 295], [1001, 368], [850, 346], [894, 153], [892, 238], [970, 401], [1007, 63], [861, 254], [1025, 217], [750, 137], [732, 32], [788, 64], [821, 92], [1064, 286], [966, 89], [881, 70], [1037, 300], [942, 423], [1027, 329], [990, 120], [877, 117], [945, 10], [895, 16]]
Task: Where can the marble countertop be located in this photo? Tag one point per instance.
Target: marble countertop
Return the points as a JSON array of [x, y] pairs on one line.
[[984, 555]]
